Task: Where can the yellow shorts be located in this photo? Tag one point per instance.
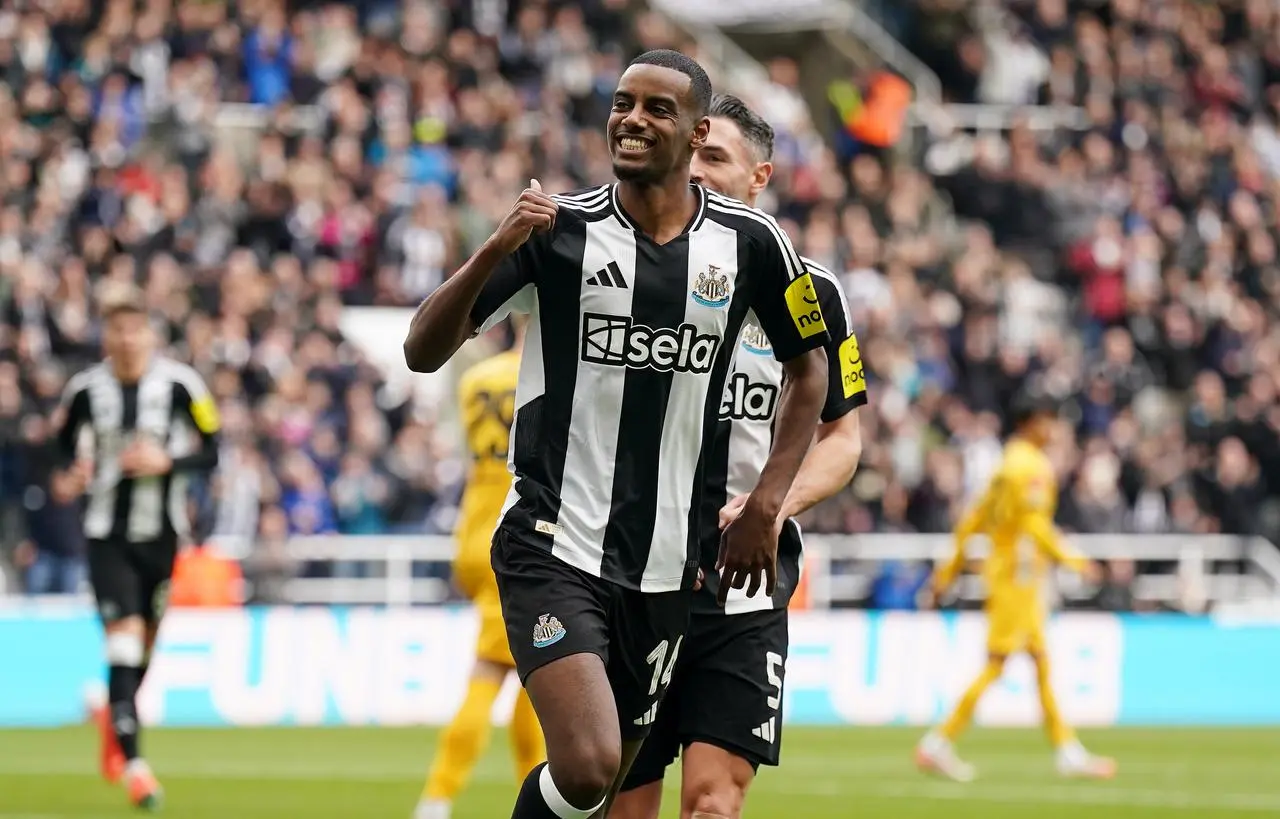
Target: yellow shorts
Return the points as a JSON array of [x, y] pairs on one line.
[[1015, 627], [473, 574]]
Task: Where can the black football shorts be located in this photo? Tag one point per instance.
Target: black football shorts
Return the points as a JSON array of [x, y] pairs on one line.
[[726, 691], [553, 610], [131, 579]]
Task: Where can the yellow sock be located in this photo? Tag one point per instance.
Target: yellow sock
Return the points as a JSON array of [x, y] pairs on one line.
[[1059, 732], [462, 742], [963, 713], [527, 743]]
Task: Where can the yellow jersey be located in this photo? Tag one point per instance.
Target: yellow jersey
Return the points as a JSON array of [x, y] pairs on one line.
[[1016, 513], [487, 393]]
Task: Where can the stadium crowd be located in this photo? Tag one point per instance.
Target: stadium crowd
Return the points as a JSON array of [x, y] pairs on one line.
[[1129, 268]]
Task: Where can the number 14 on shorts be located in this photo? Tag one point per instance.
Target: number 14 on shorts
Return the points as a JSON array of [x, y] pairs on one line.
[[663, 668]]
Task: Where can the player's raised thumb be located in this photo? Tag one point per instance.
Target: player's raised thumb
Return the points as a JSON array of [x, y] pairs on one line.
[[535, 185]]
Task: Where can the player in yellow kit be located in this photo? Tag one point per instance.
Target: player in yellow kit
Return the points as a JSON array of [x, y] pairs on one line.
[[1016, 513], [487, 392]]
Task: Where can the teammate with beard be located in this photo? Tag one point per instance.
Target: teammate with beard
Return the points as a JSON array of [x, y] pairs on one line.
[[723, 710], [636, 292]]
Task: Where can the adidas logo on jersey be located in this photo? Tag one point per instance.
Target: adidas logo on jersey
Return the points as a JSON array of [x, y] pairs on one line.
[[767, 731], [608, 276], [615, 341], [747, 401]]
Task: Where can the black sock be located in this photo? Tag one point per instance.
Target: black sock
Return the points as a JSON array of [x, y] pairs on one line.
[[122, 689], [530, 804]]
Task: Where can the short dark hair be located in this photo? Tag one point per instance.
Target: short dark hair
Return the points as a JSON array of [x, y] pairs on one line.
[[754, 129], [699, 82], [1031, 404]]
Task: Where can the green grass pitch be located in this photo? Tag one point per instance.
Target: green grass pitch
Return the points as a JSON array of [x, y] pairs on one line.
[[845, 773]]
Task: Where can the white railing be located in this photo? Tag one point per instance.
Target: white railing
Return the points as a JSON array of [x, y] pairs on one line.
[[836, 575], [393, 583], [1193, 555]]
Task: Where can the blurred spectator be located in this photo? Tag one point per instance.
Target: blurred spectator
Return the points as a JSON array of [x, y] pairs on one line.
[[1116, 594], [899, 584], [1129, 268], [53, 553]]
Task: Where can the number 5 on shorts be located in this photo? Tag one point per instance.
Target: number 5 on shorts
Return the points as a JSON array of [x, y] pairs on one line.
[[772, 662], [661, 673]]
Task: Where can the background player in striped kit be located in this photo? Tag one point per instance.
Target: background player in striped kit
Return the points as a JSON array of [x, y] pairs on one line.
[[633, 290], [142, 410], [724, 703]]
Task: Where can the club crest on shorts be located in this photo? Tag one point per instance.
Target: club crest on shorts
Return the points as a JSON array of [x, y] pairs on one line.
[[712, 288], [547, 631]]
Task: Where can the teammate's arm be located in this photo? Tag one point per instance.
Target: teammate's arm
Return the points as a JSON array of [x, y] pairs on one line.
[[471, 297], [828, 467], [833, 458], [202, 412], [72, 477], [831, 461], [148, 458], [71, 415], [790, 315]]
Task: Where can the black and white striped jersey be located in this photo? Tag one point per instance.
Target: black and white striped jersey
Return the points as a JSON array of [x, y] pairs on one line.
[[171, 405], [745, 434], [624, 365]]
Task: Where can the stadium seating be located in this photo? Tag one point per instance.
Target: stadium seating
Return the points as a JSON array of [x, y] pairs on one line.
[[258, 170]]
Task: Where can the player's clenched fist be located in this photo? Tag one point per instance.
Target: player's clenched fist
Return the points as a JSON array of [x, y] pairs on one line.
[[534, 210]]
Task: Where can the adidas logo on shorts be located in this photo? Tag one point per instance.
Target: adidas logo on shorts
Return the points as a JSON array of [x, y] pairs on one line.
[[766, 731]]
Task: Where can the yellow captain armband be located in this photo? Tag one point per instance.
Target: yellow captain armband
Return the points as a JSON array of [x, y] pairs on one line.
[[205, 413]]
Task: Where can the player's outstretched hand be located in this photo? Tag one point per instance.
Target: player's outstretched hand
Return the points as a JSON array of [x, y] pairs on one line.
[[534, 210], [748, 548]]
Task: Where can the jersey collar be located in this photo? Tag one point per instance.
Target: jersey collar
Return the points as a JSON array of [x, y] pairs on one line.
[[695, 221]]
